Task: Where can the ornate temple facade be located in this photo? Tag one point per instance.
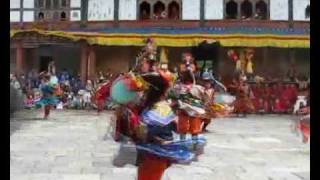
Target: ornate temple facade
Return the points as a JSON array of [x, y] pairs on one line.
[[87, 36]]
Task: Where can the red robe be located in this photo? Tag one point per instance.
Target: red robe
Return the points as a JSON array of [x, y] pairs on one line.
[[266, 106], [278, 107], [285, 98], [293, 95], [259, 106]]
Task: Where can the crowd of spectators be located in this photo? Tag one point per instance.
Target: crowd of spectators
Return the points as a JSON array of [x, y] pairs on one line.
[[72, 93], [271, 96], [275, 95]]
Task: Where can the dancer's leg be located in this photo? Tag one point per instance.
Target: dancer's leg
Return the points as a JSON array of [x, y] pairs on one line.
[[46, 111], [151, 167]]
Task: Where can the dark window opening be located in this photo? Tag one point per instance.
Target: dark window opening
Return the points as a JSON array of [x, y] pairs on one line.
[[174, 12], [261, 10], [48, 4], [63, 16], [41, 16], [246, 9], [307, 13], [144, 11], [231, 10], [159, 11]]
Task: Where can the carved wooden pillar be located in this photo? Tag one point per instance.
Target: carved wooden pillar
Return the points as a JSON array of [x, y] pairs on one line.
[[84, 62], [19, 57], [92, 63]]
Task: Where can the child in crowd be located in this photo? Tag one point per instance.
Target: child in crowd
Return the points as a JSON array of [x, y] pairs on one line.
[[37, 96], [29, 102], [75, 102]]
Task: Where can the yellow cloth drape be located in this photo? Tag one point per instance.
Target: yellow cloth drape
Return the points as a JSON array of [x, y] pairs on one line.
[[178, 40]]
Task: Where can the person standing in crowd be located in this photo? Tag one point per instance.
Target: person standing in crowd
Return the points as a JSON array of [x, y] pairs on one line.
[[88, 93], [16, 84]]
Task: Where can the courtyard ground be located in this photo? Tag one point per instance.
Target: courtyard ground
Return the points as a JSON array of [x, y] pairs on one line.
[[76, 145]]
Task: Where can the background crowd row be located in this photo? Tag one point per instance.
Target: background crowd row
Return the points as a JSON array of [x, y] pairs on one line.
[[272, 97]]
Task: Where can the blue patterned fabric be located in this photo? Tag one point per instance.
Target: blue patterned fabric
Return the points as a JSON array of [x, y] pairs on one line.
[[153, 118], [182, 151], [205, 30], [176, 153], [47, 96]]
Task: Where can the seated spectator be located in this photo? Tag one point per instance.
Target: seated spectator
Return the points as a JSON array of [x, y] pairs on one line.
[[277, 107], [37, 96], [293, 94], [285, 98], [267, 105], [275, 91], [267, 91], [260, 106], [29, 102], [75, 102]]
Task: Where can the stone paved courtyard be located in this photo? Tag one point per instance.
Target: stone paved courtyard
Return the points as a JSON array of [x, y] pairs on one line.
[[75, 145]]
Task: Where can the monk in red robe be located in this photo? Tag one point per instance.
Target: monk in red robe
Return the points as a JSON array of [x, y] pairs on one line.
[[278, 107]]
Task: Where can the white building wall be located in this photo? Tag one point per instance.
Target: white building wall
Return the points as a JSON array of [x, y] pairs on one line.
[[191, 9], [28, 16], [75, 3], [299, 7], [213, 9], [14, 4], [101, 10], [279, 9], [128, 10], [28, 3], [14, 16]]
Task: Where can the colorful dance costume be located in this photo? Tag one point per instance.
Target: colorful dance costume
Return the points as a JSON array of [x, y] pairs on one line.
[[48, 100], [243, 104], [147, 118]]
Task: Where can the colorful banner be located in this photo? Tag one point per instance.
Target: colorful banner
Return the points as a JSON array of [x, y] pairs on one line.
[[177, 40]]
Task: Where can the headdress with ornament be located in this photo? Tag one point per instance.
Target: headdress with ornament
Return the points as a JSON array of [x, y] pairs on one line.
[[232, 54]]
